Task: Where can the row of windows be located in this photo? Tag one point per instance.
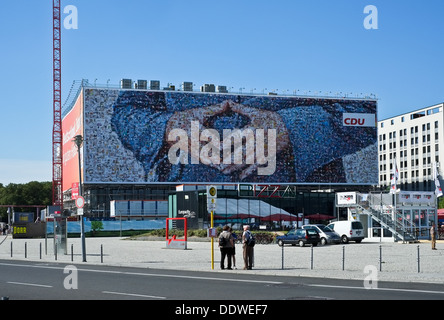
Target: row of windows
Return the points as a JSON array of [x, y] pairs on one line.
[[416, 115], [426, 150], [413, 130], [403, 143]]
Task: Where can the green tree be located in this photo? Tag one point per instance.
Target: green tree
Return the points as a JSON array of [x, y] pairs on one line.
[[31, 193]]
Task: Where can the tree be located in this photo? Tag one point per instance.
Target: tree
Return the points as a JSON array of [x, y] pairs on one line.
[[31, 193]]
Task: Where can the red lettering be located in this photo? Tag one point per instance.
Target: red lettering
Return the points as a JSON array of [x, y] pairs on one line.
[[354, 121]]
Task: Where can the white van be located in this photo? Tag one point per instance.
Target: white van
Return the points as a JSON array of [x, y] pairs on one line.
[[348, 230]]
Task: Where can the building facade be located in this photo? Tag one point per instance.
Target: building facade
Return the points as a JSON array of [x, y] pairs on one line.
[[140, 143], [414, 141]]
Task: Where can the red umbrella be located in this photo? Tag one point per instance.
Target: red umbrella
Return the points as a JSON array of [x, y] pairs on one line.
[[319, 216]]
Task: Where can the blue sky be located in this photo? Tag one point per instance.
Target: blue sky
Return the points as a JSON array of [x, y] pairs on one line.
[[284, 45]]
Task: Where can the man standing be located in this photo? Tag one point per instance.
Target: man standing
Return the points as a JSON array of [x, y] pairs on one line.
[[433, 235], [248, 249], [226, 246]]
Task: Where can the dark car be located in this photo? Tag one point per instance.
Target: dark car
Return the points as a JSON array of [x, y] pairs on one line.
[[300, 237]]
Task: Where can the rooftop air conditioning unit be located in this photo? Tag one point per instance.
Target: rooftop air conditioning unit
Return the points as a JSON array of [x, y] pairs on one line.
[[222, 89], [208, 88], [155, 85], [142, 84], [126, 83], [187, 86]]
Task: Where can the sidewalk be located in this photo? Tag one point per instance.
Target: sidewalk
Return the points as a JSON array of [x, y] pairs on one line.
[[399, 261]]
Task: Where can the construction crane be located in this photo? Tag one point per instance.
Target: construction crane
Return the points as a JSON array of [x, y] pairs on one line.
[[57, 135]]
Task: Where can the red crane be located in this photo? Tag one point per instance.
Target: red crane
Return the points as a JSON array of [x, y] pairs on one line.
[[57, 135]]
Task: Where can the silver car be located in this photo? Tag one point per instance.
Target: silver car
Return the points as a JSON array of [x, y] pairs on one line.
[[327, 235]]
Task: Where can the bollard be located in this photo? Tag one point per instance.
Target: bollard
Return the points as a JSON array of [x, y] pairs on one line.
[[282, 256], [343, 258], [40, 253], [11, 249], [380, 258], [101, 253], [55, 252], [311, 257], [419, 269], [72, 252], [26, 251]]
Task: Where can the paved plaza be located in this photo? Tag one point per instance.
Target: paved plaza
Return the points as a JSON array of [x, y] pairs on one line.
[[352, 261]]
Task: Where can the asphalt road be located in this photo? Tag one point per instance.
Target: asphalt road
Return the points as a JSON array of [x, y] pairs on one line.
[[27, 280]]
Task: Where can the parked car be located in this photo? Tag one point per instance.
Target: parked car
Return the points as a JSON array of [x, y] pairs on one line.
[[300, 237], [348, 230], [327, 235]]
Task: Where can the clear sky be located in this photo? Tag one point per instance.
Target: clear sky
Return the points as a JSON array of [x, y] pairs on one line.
[[316, 46]]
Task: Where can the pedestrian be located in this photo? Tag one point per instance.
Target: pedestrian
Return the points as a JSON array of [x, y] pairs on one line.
[[248, 250], [433, 232], [226, 247], [233, 251]]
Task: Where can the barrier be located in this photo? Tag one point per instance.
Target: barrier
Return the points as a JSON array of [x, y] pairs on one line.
[[174, 242]]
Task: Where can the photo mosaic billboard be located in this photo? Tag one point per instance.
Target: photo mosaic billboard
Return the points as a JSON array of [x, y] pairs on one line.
[[135, 136]]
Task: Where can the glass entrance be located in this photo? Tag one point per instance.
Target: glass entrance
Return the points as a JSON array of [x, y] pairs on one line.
[[417, 221]]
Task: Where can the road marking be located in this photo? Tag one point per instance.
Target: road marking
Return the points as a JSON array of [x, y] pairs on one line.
[[149, 274], [381, 289], [133, 295], [29, 284]]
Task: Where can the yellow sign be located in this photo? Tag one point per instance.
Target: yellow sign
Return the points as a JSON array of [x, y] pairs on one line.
[[213, 191]]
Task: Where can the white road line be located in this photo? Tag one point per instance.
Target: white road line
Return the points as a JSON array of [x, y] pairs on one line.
[[80, 269], [30, 284], [381, 289], [133, 295]]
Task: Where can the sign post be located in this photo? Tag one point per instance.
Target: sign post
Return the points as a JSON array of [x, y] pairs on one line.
[[211, 206]]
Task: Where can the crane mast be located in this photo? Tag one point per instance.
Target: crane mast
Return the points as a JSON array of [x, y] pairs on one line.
[[57, 135]]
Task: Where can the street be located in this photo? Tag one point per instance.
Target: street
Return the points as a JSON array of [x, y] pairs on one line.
[[23, 280]]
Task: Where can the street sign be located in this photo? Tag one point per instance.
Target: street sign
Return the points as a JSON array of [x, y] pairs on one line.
[[80, 202], [212, 192]]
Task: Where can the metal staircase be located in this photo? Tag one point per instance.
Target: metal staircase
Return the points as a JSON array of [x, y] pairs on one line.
[[398, 228]]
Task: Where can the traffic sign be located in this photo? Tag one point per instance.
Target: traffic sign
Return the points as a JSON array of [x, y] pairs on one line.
[[80, 202], [212, 192]]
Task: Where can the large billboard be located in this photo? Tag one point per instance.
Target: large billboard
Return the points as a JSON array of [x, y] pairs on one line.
[[135, 136], [72, 125]]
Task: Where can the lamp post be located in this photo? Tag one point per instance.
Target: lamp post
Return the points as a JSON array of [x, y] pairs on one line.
[[78, 140]]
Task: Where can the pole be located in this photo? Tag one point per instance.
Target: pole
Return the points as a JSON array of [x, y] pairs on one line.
[[212, 241], [282, 256], [311, 257], [78, 140], [380, 258], [343, 258], [419, 269]]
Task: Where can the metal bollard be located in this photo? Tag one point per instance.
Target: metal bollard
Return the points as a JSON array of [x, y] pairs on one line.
[[11, 249], [40, 247], [72, 252], [343, 258], [419, 269], [101, 253], [311, 257], [380, 258], [282, 256], [26, 250]]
